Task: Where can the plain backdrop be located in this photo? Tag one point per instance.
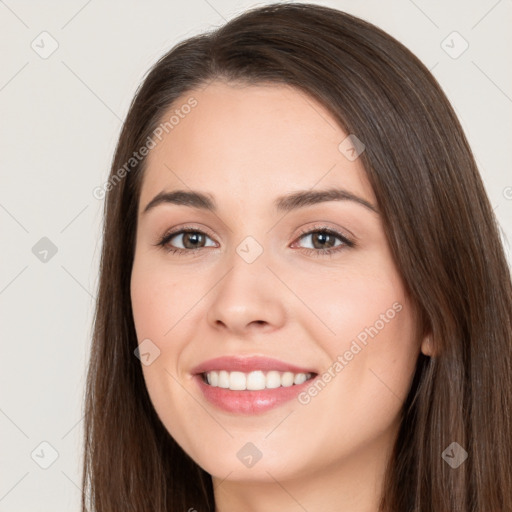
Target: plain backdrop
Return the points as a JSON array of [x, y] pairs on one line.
[[68, 73]]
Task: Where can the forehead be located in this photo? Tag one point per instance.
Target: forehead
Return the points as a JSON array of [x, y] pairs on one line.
[[250, 141]]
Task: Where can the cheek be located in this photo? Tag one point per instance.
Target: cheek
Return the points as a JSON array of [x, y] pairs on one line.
[[158, 301], [371, 347], [373, 367], [159, 304], [155, 314], [357, 401], [348, 302]]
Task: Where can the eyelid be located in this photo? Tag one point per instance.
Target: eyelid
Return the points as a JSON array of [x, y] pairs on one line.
[[184, 228], [324, 226]]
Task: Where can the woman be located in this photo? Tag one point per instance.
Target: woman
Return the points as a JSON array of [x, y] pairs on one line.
[[233, 367]]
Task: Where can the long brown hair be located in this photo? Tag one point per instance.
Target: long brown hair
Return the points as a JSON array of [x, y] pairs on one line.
[[441, 230]]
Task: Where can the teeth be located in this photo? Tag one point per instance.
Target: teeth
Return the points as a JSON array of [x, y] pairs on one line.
[[223, 379], [298, 379], [254, 381], [287, 379], [237, 381]]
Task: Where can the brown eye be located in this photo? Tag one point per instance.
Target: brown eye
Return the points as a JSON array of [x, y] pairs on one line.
[[325, 241], [185, 239], [322, 239], [192, 239]]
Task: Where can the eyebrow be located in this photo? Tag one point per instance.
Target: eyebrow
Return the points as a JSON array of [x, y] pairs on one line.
[[289, 202]]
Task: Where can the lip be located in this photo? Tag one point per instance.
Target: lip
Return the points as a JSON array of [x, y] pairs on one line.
[[248, 364], [249, 402]]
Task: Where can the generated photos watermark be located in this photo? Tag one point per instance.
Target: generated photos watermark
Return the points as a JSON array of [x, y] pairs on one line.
[[150, 143], [356, 346]]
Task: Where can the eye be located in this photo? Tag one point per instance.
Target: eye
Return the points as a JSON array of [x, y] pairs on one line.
[[324, 241], [190, 239]]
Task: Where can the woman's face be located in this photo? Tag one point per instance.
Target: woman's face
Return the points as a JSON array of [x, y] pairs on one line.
[[250, 300]]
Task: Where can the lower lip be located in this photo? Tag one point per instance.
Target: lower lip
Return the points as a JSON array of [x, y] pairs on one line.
[[250, 402]]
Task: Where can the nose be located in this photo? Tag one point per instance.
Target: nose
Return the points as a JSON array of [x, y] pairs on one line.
[[247, 299]]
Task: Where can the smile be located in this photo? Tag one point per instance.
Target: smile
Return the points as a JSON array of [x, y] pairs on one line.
[[255, 380], [250, 385]]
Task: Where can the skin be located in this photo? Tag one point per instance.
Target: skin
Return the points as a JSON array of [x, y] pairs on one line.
[[247, 145]]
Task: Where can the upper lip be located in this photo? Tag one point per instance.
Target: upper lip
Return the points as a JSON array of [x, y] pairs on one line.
[[247, 364]]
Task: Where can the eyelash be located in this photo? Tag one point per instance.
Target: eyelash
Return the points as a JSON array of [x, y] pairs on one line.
[[347, 243]]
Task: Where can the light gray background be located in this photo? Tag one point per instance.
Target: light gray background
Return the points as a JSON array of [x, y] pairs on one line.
[[60, 119]]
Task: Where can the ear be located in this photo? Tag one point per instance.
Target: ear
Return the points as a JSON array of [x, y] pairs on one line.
[[427, 345]]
